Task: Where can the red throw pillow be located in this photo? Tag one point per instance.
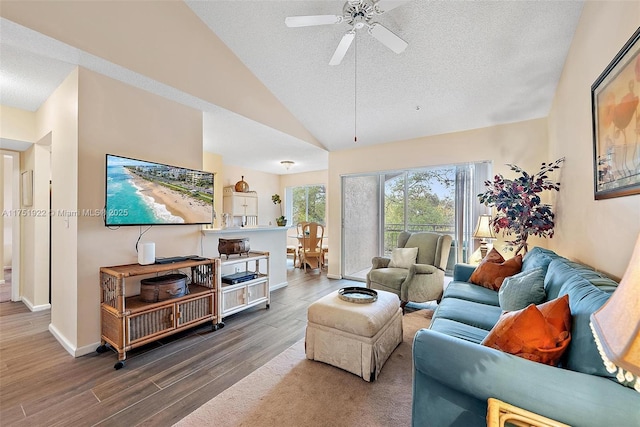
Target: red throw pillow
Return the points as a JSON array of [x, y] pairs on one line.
[[557, 313], [493, 269], [529, 334]]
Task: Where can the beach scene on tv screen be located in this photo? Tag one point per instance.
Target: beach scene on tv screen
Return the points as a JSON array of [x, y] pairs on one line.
[[140, 192]]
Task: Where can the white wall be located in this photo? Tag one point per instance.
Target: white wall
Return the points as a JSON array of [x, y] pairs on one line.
[[212, 162], [58, 115], [7, 195], [35, 228], [119, 119], [599, 233], [17, 124]]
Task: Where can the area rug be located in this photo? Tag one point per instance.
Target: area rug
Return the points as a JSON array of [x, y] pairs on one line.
[[293, 391]]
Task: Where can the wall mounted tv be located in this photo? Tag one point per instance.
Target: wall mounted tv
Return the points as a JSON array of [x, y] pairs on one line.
[[139, 192]]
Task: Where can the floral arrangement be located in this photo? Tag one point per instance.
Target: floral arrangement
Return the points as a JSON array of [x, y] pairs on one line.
[[281, 220], [519, 208]]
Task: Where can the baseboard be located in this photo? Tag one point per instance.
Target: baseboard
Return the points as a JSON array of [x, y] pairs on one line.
[[62, 340], [87, 349], [278, 286], [334, 276], [2, 282], [32, 307], [70, 348]]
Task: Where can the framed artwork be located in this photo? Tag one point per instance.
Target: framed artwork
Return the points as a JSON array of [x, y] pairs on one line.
[[27, 188], [616, 124]]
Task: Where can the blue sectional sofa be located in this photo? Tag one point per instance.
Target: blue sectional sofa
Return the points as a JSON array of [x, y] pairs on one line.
[[454, 374]]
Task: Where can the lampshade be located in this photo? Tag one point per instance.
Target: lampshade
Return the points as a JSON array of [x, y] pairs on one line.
[[616, 325], [484, 230]]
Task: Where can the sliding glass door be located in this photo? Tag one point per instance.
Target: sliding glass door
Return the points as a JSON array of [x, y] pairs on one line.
[[361, 219], [377, 207]]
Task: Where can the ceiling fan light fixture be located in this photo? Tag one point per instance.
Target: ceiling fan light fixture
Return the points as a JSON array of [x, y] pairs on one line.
[[287, 164], [359, 14]]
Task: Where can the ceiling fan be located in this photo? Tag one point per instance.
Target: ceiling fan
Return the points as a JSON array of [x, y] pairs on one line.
[[359, 14]]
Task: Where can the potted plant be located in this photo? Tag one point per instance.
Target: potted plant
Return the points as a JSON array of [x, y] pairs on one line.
[[519, 208], [281, 220]]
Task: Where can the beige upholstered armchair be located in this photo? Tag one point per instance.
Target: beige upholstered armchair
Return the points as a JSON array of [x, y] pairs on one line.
[[415, 271]]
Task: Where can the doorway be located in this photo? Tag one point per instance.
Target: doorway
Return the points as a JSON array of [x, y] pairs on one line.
[[378, 206], [9, 289]]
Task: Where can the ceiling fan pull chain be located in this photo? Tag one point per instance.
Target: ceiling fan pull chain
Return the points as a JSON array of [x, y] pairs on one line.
[[355, 91]]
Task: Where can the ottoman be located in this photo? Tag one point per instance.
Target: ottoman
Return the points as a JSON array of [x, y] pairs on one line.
[[358, 338]]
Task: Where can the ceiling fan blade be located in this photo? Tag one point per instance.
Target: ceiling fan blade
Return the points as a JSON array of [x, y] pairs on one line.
[[387, 38], [311, 20], [386, 5], [342, 49]]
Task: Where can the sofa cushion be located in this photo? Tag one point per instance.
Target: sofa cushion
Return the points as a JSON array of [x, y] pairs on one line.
[[471, 292], [403, 257], [527, 333], [584, 299], [538, 257], [493, 269], [458, 330], [561, 271], [522, 289], [481, 316]]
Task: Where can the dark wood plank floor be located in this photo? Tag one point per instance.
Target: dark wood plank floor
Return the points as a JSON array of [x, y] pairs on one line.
[[42, 385]]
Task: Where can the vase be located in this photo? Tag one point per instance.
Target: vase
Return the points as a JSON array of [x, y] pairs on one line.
[[242, 186], [281, 222]]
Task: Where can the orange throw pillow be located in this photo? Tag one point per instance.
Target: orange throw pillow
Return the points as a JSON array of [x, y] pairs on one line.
[[493, 269], [557, 313], [529, 334]]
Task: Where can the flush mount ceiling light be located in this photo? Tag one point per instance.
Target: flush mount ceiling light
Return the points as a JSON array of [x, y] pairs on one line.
[[287, 164]]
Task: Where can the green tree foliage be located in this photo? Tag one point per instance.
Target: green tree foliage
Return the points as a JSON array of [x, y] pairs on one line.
[[309, 204], [430, 198]]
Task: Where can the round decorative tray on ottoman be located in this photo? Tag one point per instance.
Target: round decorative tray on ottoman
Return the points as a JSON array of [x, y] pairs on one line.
[[358, 295]]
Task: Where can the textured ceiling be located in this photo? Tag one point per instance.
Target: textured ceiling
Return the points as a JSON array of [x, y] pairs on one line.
[[468, 64]]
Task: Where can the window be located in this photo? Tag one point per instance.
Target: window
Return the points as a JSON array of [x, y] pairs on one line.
[[308, 204], [378, 206]]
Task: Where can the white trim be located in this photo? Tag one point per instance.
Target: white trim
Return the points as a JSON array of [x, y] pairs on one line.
[[15, 231], [2, 282], [62, 340], [71, 349], [334, 276], [32, 307], [87, 349], [278, 286]]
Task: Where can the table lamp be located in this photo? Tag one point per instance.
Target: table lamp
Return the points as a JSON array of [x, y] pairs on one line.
[[616, 325], [484, 231]]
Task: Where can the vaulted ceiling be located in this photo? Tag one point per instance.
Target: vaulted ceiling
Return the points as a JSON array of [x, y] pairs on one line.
[[468, 64]]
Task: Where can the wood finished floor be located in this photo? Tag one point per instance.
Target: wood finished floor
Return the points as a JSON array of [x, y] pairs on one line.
[[42, 385]]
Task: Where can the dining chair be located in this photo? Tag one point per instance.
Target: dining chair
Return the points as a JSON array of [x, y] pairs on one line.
[[297, 248], [311, 240]]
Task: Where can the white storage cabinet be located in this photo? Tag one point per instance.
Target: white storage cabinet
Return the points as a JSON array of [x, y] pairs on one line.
[[240, 296]]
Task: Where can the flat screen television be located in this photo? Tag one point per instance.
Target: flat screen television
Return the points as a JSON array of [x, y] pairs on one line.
[[140, 192]]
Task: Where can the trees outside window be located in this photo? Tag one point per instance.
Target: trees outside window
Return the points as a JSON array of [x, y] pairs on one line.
[[421, 200], [308, 204]]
